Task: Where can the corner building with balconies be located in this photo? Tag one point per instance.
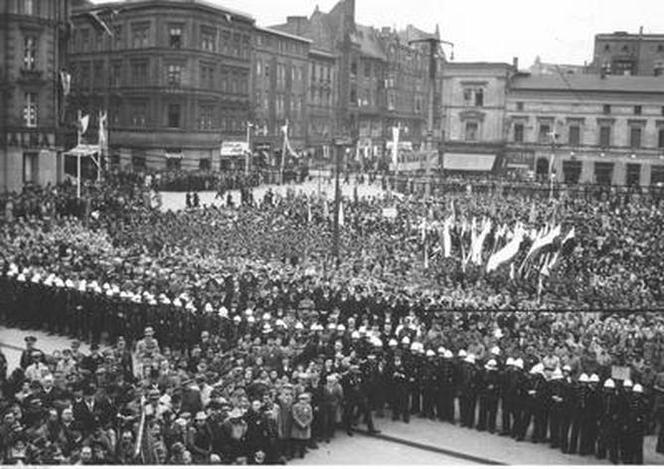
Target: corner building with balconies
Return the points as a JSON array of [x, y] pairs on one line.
[[174, 76]]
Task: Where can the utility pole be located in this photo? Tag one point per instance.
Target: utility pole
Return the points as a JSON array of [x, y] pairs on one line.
[[339, 148], [434, 45]]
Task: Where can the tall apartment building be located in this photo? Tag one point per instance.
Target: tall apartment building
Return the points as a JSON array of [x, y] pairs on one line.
[[33, 36], [381, 78], [280, 81], [174, 75]]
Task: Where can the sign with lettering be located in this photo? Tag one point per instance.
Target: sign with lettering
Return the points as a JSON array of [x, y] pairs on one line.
[[234, 149], [30, 139]]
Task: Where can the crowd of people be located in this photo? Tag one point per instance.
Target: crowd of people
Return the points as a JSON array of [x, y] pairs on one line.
[[258, 342]]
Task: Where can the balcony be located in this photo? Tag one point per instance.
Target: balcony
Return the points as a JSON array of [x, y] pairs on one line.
[[28, 76]]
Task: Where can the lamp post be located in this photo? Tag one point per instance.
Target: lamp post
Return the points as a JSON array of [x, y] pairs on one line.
[[249, 153], [434, 44]]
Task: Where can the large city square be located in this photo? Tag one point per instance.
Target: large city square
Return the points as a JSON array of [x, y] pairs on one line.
[[348, 234]]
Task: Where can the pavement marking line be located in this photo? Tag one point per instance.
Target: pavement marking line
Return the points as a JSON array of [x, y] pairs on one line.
[[435, 449]]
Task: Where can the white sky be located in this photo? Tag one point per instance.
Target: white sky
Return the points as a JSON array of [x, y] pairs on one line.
[[559, 31]]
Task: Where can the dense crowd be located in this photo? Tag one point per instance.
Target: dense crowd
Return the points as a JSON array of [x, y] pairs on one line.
[[265, 342]]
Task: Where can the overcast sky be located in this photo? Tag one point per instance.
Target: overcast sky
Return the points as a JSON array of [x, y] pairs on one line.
[[558, 31]]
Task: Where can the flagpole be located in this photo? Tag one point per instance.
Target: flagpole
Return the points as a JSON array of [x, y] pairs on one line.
[[78, 157]]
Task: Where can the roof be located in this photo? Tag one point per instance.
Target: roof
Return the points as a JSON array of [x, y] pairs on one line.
[[323, 53], [611, 83], [370, 46], [620, 36], [411, 33], [284, 34], [140, 3]]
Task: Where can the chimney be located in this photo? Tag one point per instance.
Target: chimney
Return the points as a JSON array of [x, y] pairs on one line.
[[515, 64], [297, 22]]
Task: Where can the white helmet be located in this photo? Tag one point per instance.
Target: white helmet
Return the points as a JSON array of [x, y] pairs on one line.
[[509, 362], [393, 343], [628, 383], [638, 388], [495, 351], [594, 379], [462, 354], [584, 378], [448, 354], [470, 359], [405, 341], [609, 384], [431, 353], [519, 363], [441, 351], [491, 365]]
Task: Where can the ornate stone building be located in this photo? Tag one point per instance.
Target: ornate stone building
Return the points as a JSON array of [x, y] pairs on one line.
[[33, 37], [175, 76]]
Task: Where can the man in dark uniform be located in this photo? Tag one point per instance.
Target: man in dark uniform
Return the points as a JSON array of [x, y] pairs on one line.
[[26, 355], [556, 404], [415, 364], [590, 417], [400, 384], [489, 393], [469, 383], [581, 390], [634, 426], [568, 393], [356, 400], [430, 385], [609, 423], [446, 386]]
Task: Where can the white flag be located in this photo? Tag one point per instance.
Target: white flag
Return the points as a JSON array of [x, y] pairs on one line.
[[103, 118], [342, 222], [65, 80], [447, 240], [82, 124], [395, 142]]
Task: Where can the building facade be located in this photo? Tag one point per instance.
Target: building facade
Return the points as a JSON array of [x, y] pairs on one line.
[[33, 36], [322, 104], [174, 76], [588, 128], [474, 106], [280, 82], [623, 53], [381, 79]]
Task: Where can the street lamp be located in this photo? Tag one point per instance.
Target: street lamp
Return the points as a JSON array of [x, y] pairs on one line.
[[434, 44]]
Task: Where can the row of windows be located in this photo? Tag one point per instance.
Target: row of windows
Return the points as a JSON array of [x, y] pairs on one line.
[[285, 74], [209, 39], [603, 173], [227, 80], [546, 135], [608, 109], [137, 115], [281, 45]]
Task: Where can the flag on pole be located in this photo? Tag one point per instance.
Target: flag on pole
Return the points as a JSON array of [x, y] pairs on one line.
[[309, 215], [509, 252], [103, 119], [82, 124], [342, 222], [395, 143], [447, 240], [532, 218], [326, 209], [65, 81]]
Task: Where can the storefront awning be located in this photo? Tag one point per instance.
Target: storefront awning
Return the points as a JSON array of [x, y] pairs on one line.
[[174, 156], [468, 162]]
